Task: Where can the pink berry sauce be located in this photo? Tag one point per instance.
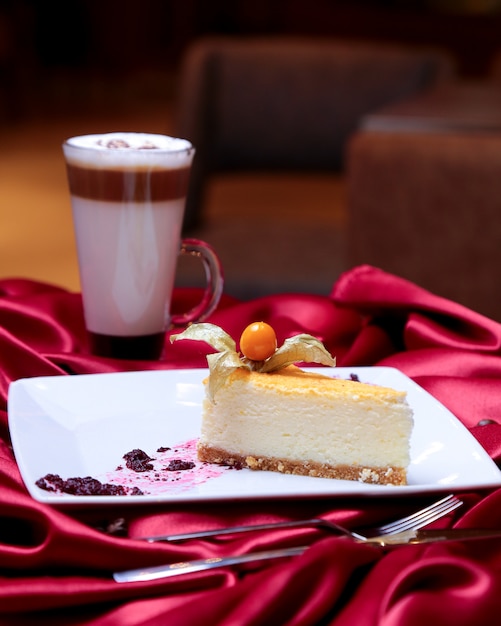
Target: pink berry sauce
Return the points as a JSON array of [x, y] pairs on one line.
[[167, 471]]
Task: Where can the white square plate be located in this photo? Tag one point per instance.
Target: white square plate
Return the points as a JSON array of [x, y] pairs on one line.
[[78, 426]]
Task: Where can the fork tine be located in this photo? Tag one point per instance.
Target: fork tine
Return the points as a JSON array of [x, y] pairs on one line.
[[423, 517], [412, 522]]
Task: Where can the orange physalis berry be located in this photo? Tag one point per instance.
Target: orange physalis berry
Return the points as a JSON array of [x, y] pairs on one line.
[[258, 341]]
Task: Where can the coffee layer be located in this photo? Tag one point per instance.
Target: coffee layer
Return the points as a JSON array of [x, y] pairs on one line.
[[134, 185]]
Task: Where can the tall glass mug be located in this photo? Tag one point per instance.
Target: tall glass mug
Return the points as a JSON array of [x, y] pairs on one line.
[[128, 193]]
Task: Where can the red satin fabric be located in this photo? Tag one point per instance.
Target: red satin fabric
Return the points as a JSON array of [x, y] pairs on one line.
[[56, 566]]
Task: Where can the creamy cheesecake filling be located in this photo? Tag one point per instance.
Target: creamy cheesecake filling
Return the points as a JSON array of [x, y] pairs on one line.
[[302, 423]]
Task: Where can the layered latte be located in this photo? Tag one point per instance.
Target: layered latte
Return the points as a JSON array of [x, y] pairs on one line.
[[128, 194]]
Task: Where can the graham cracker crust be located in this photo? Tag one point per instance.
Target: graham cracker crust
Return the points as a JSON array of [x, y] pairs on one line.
[[374, 475]]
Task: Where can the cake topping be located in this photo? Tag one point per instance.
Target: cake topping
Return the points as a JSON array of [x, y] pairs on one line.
[[300, 348], [258, 341]]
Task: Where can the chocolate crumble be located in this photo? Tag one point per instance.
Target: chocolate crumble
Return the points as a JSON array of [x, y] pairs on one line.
[[86, 486], [178, 464], [138, 461]]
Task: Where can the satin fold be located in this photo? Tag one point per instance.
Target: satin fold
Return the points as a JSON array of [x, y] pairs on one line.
[[56, 565]]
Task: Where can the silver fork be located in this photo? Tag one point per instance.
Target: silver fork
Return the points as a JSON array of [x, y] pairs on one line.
[[417, 520], [410, 523]]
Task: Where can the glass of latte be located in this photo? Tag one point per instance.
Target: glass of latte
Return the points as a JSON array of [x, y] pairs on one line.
[[128, 193]]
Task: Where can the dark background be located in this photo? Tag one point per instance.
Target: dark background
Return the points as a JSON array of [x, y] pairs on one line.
[[110, 36], [71, 67]]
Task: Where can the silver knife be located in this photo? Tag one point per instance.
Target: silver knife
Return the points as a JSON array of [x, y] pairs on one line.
[[188, 567], [398, 539]]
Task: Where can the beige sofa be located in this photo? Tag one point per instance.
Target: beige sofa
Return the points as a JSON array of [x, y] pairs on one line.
[[424, 195]]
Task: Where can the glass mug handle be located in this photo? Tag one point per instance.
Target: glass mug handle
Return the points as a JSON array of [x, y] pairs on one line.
[[215, 281]]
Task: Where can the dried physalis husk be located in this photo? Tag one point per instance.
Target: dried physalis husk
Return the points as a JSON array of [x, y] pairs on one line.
[[214, 335], [301, 348], [223, 362], [298, 349]]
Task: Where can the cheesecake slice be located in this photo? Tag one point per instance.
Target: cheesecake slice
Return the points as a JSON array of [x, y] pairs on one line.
[[299, 422]]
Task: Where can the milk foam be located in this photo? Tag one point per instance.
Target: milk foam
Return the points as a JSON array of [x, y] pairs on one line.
[[128, 149]]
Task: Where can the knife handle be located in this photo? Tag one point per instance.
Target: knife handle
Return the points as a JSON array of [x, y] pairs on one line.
[[188, 567]]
